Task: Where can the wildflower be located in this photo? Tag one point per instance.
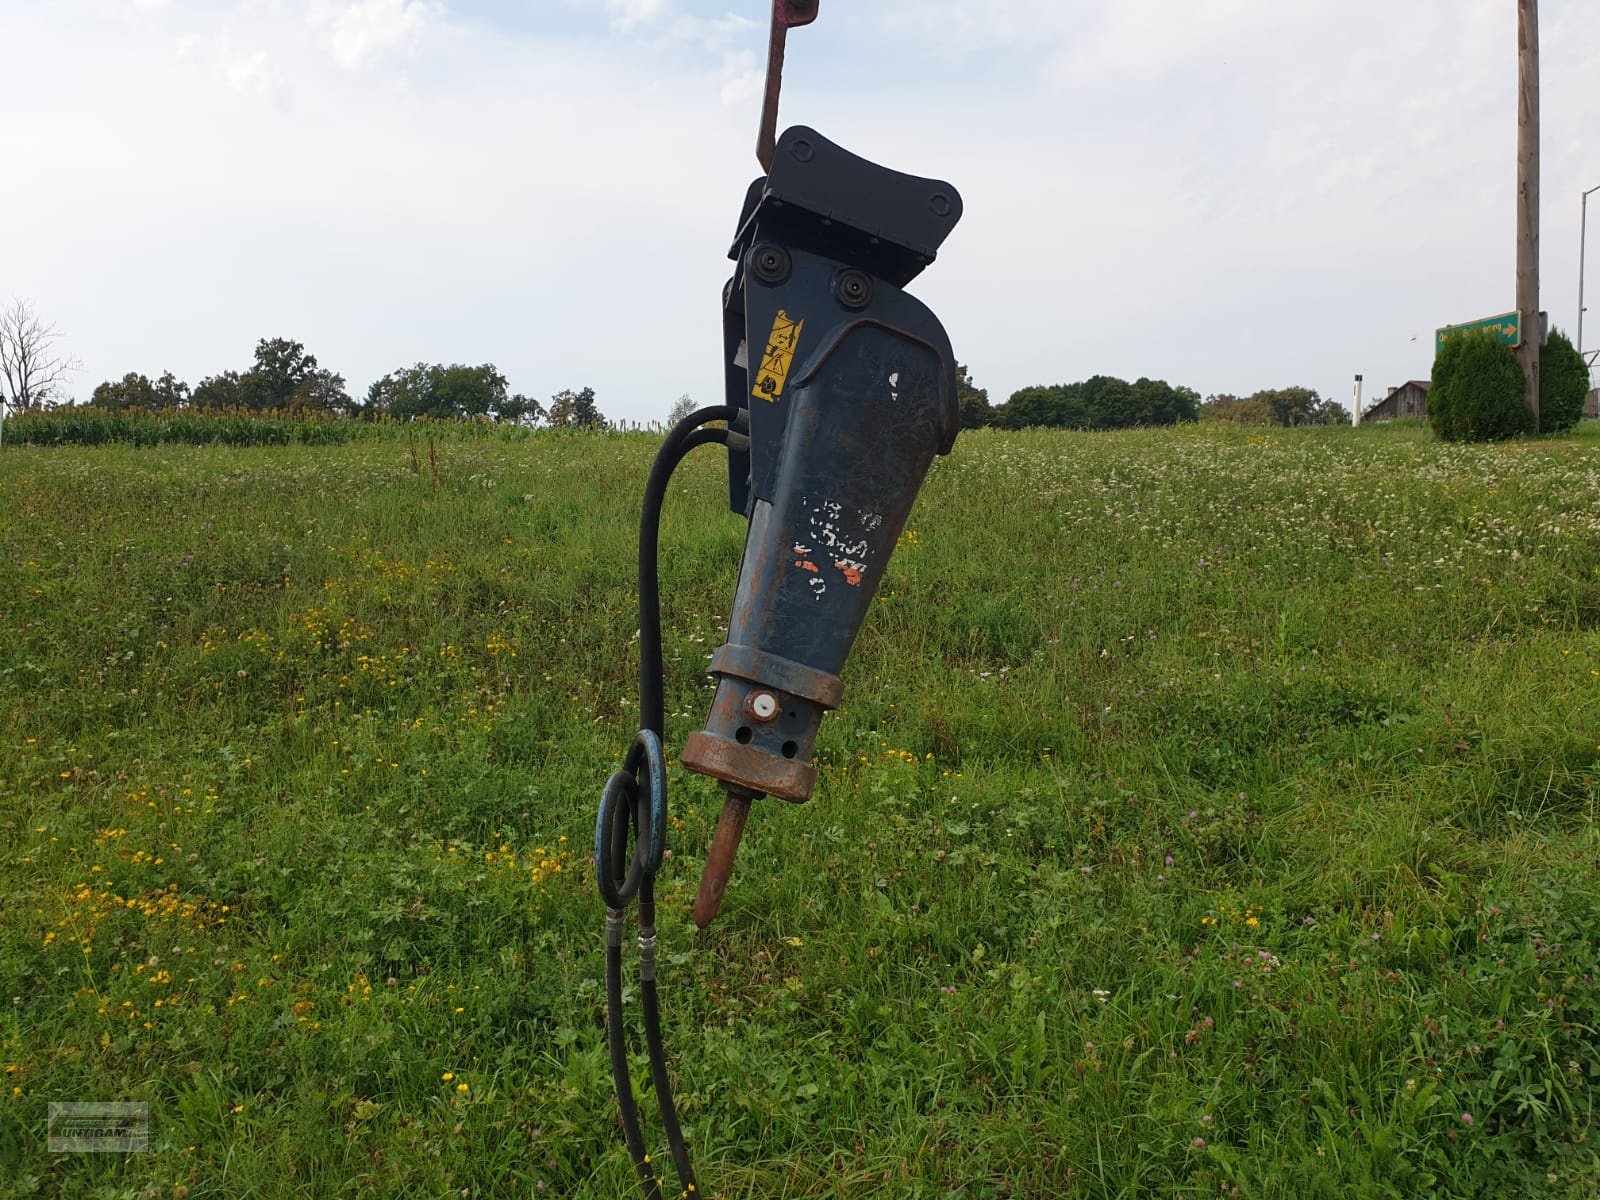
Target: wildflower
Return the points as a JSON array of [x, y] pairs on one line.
[[462, 1088], [447, 1076], [1466, 1118], [1199, 1143]]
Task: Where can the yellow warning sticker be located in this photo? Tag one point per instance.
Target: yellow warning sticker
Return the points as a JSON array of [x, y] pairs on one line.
[[775, 363]]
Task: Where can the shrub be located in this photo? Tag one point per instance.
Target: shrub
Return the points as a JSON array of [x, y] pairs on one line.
[[1236, 411], [1563, 384], [1479, 393]]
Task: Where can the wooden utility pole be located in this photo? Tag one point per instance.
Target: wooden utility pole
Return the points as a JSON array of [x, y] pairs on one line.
[[1528, 198]]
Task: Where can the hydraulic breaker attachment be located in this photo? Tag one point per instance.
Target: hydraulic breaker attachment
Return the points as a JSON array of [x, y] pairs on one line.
[[847, 387], [840, 390]]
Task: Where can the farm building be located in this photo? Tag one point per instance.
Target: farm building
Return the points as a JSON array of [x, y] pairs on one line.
[[1410, 399]]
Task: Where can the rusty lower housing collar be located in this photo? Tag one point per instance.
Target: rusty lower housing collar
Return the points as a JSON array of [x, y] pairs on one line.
[[748, 767]]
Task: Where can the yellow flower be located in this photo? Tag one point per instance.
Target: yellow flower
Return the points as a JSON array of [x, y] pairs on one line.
[[447, 1076], [461, 1087]]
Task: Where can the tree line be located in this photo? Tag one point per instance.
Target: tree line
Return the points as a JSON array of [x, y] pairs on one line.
[[1106, 402], [286, 379]]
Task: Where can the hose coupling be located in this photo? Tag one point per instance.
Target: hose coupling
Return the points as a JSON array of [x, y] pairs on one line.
[[616, 921], [647, 953]]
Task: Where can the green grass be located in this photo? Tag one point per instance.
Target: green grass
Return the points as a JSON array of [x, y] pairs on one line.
[[1211, 813]]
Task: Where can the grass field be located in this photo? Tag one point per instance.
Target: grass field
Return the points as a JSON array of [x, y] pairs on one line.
[[1211, 813]]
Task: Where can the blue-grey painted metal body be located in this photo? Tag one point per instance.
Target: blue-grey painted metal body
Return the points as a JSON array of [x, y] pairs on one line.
[[847, 386]]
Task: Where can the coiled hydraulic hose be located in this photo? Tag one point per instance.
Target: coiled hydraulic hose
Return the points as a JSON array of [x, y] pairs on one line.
[[633, 807]]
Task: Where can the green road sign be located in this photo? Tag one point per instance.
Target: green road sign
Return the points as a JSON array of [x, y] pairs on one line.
[[1506, 328]]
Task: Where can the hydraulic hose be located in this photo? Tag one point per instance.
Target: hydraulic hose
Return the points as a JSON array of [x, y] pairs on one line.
[[633, 809]]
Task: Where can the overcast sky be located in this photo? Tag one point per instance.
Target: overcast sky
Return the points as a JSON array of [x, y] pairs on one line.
[[1229, 195]]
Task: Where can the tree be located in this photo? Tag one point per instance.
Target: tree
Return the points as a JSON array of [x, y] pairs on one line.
[[1303, 406], [1100, 402], [1479, 393], [587, 413], [1328, 411], [322, 392], [133, 390], [1275, 406], [32, 371], [1156, 402], [576, 410], [444, 393], [1563, 383], [403, 394], [521, 410], [469, 391], [681, 408], [1236, 411], [227, 390], [1290, 405], [1054, 407], [286, 378], [171, 391], [1108, 401], [976, 412]]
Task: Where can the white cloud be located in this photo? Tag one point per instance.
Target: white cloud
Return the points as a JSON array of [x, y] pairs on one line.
[[627, 15], [1137, 40], [742, 79], [252, 73], [358, 32]]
